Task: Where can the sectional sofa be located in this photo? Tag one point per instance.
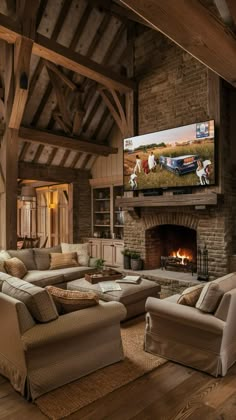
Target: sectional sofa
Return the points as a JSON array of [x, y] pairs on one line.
[[37, 262]]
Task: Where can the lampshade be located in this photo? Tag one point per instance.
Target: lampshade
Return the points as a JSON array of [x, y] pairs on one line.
[[28, 193]]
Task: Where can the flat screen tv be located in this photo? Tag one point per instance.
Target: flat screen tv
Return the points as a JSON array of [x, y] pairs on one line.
[[175, 158]]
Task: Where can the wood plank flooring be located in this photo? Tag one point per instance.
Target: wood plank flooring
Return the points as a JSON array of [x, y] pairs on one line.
[[171, 392]]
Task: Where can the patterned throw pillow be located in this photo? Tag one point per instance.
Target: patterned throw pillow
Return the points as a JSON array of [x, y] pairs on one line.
[[59, 260], [190, 295], [72, 300], [15, 267], [81, 249]]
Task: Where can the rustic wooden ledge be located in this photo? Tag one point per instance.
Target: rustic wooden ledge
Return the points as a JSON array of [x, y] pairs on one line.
[[204, 199]]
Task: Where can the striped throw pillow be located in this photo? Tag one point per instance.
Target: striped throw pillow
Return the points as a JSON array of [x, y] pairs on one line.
[[59, 260]]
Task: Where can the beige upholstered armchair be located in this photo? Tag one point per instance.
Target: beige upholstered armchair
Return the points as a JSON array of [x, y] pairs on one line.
[[40, 350], [203, 336]]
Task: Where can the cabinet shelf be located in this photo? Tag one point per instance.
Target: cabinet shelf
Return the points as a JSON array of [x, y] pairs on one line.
[[102, 212], [120, 226], [102, 199], [102, 225]]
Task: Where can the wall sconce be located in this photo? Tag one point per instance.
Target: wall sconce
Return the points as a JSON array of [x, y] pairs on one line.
[[52, 206]]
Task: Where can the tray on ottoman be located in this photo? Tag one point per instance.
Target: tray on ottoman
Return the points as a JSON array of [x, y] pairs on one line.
[[109, 274]]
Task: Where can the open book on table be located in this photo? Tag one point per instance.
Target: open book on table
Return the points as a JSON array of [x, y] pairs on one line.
[[109, 286], [129, 279]]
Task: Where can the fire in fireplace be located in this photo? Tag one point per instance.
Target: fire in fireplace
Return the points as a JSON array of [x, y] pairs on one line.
[[172, 247]]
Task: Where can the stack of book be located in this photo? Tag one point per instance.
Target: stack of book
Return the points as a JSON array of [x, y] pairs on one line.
[[129, 279]]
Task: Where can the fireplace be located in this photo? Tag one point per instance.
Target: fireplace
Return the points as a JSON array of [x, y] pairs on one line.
[[171, 247]]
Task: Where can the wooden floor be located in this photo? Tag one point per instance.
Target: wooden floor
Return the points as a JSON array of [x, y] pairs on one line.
[[170, 392]]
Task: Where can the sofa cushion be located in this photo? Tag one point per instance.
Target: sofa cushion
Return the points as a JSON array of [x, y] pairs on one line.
[[3, 277], [190, 295], [60, 260], [44, 277], [4, 255], [15, 267], [210, 297], [42, 257], [81, 249], [72, 300], [26, 256], [37, 300]]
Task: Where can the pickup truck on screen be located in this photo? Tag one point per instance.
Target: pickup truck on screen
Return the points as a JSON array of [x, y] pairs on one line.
[[179, 165]]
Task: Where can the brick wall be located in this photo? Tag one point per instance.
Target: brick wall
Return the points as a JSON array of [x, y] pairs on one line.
[[173, 86], [174, 90]]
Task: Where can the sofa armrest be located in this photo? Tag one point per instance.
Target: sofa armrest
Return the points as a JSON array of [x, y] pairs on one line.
[[73, 324], [184, 314]]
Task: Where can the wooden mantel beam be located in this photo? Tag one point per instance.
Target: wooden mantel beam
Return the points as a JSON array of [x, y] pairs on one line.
[[52, 51], [81, 145], [195, 29]]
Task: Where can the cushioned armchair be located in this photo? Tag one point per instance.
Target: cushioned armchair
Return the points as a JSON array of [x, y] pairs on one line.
[[38, 355], [203, 336]]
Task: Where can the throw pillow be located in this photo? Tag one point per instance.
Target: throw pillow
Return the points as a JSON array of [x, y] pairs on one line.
[[15, 267], [4, 255], [58, 260], [26, 256], [209, 298], [38, 301], [42, 256], [81, 249], [190, 295], [72, 300]]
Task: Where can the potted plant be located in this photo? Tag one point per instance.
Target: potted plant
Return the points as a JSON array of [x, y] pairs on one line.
[[99, 264], [135, 260], [126, 253]]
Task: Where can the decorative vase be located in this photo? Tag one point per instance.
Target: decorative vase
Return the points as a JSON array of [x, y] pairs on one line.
[[127, 262], [136, 264]]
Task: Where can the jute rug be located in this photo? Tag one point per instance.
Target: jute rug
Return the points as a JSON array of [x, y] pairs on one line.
[[70, 398]]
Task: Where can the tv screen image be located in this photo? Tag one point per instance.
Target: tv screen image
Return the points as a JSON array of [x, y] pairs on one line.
[[178, 157]]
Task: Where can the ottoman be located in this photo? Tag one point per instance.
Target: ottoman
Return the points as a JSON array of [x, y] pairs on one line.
[[133, 296]]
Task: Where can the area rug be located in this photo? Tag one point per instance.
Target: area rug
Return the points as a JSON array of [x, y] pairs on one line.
[[72, 397]]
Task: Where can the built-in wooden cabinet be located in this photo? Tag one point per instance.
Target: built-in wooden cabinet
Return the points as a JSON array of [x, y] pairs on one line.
[[107, 225], [107, 219], [108, 249]]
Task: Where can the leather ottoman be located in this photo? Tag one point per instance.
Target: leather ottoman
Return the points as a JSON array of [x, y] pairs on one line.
[[133, 296]]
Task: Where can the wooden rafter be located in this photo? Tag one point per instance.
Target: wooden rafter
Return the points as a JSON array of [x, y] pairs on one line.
[[194, 28], [64, 157], [75, 160], [27, 170], [38, 153], [64, 78], [118, 11], [86, 161], [41, 10], [24, 150], [52, 155], [26, 11], [115, 108], [45, 138], [232, 8], [22, 56]]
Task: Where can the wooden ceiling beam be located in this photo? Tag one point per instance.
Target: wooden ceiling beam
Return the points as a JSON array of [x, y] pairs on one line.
[[38, 153], [51, 50], [22, 56], [195, 29], [41, 10], [65, 57], [24, 150], [55, 140], [52, 155], [64, 78], [64, 157], [120, 12], [28, 170], [75, 160], [232, 8]]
